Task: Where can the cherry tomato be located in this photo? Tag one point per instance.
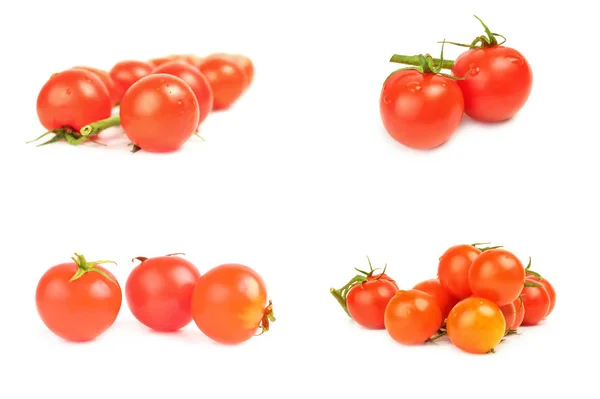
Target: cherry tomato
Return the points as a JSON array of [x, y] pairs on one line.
[[537, 303], [549, 288], [159, 113], [453, 269], [79, 300], [519, 313], [475, 325], [73, 98], [444, 299], [412, 317], [228, 304], [244, 62], [197, 82], [126, 73], [159, 292], [420, 110], [366, 302], [111, 86], [510, 314], [497, 275], [227, 80]]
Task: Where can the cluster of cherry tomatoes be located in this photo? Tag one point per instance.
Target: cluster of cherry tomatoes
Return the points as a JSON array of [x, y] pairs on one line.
[[481, 295], [81, 299], [162, 102], [421, 107]]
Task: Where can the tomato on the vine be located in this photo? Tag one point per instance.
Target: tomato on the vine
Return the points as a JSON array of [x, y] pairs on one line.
[[227, 80], [79, 300], [159, 292], [453, 269], [412, 317], [476, 325], [442, 296], [111, 86], [497, 275], [536, 301], [366, 302], [126, 73], [229, 304]]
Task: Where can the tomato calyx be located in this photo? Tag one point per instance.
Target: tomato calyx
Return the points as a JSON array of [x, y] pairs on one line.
[[479, 246], [66, 133], [483, 41], [267, 318], [84, 266], [529, 272]]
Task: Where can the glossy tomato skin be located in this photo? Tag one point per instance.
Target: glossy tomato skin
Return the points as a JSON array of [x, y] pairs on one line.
[[510, 314], [159, 292], [498, 84], [475, 325], [537, 303], [412, 317], [111, 86], [420, 111], [80, 310], [453, 269], [549, 288], [442, 296], [227, 80], [497, 275], [195, 79], [229, 302], [159, 113], [126, 73], [73, 98], [366, 302], [519, 313]]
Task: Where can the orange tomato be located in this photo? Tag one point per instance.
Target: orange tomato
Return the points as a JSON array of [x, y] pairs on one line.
[[412, 317]]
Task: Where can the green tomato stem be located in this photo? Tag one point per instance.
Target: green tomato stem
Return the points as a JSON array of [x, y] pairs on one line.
[[95, 128], [416, 60]]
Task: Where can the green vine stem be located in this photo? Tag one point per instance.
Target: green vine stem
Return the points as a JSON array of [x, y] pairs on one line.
[[341, 294], [416, 60], [84, 266], [267, 319], [482, 246], [66, 133], [424, 64], [95, 128]]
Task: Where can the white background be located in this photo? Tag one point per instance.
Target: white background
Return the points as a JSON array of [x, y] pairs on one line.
[[300, 181]]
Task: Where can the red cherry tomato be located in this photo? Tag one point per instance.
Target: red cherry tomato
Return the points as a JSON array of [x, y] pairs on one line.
[[366, 302], [412, 317], [159, 113], [73, 98], [194, 78], [510, 314], [79, 300], [549, 288], [159, 292], [453, 269], [519, 313], [537, 303], [244, 62], [444, 299], [475, 325], [420, 110], [497, 275], [227, 80], [126, 73], [111, 86], [228, 304]]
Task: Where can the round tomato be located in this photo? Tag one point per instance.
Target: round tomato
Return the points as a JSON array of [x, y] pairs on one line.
[[229, 304], [420, 110], [475, 325], [510, 314], [126, 73], [497, 275], [549, 288], [197, 82], [72, 99], [227, 80], [111, 86], [519, 313], [444, 299], [79, 300], [412, 317], [366, 302], [453, 269], [159, 292], [536, 301], [244, 62], [159, 113]]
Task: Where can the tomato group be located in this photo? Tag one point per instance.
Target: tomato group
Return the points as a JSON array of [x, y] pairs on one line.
[[79, 300], [412, 317], [227, 80], [126, 73], [159, 113], [497, 275], [229, 304], [453, 269], [367, 301], [442, 296], [159, 292]]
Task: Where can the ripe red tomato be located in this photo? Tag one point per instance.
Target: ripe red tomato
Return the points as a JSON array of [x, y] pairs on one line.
[[126, 73], [510, 314], [497, 275], [412, 317], [366, 302], [159, 292], [194, 78], [537, 303], [475, 325], [519, 313], [549, 288], [444, 299], [73, 98], [227, 80], [244, 62], [453, 269], [229, 304], [111, 86], [420, 110], [79, 300], [159, 113]]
